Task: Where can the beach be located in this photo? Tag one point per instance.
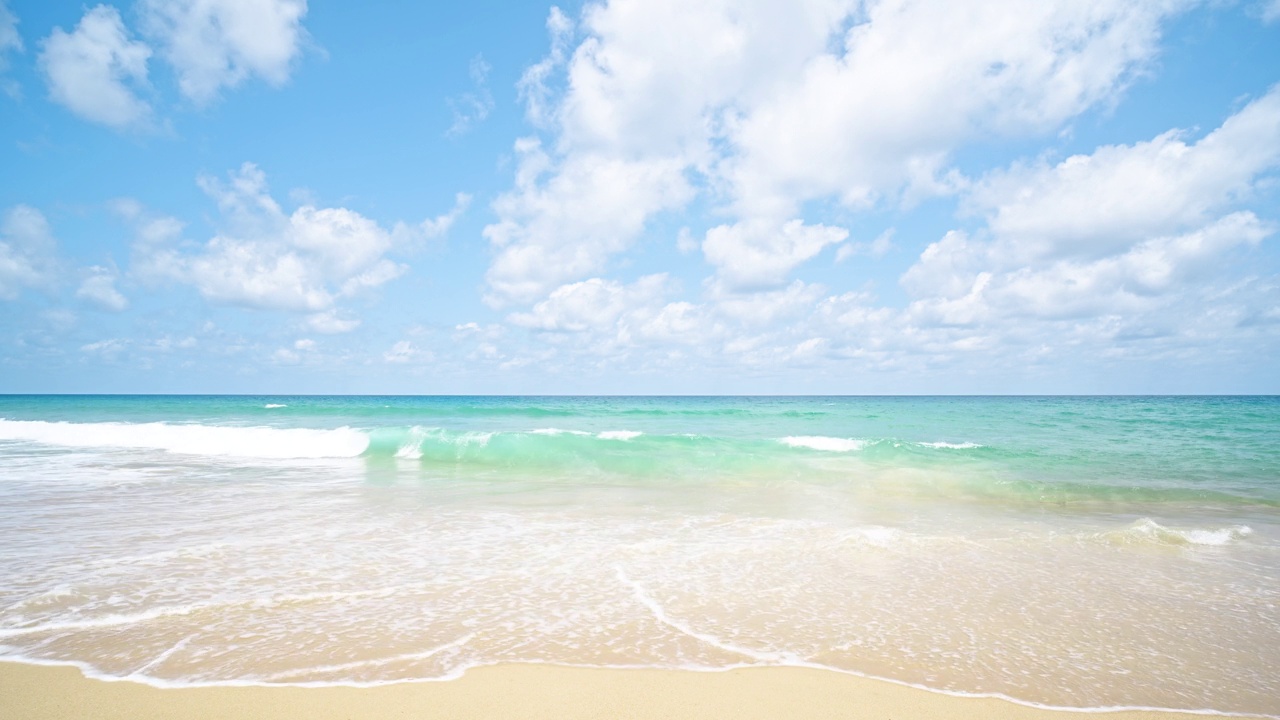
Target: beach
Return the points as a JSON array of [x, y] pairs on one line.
[[520, 692], [1082, 553]]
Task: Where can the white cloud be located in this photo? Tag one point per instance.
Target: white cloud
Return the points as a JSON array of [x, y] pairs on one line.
[[331, 323], [645, 90], [9, 37], [474, 106], [154, 258], [168, 344], [100, 289], [764, 309], [875, 249], [1119, 194], [440, 224], [404, 351], [1129, 281], [664, 77], [95, 69], [1132, 251], [567, 226], [1126, 231], [956, 288], [302, 347], [533, 84], [10, 40], [109, 348], [884, 111], [757, 254], [27, 252], [767, 105], [305, 261], [214, 44], [592, 304]]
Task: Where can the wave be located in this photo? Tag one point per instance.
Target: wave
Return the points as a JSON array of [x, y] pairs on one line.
[[827, 444], [272, 406], [559, 452], [1147, 530], [558, 431], [212, 440], [619, 435]]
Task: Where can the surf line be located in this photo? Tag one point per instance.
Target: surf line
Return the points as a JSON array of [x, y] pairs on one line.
[[660, 614]]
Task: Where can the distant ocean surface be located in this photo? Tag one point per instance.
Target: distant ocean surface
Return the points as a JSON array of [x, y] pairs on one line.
[[1086, 552]]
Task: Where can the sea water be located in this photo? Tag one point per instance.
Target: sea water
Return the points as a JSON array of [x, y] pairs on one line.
[[1085, 552]]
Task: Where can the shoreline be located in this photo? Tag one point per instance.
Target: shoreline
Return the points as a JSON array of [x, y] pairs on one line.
[[63, 692]]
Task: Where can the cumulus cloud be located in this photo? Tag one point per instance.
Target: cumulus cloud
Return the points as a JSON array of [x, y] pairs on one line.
[[96, 69], [1131, 251], [305, 261], [1119, 194], [956, 288], [884, 111], [592, 304], [567, 224], [215, 44], [764, 106], [1122, 231], [27, 252], [758, 254], [99, 288]]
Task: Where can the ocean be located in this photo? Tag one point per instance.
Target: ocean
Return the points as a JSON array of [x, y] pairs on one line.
[[1080, 552]]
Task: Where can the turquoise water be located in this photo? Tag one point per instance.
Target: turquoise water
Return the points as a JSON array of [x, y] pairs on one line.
[[1068, 551]]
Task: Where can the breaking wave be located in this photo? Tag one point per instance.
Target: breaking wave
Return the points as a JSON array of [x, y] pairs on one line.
[[215, 440], [1147, 530], [827, 444]]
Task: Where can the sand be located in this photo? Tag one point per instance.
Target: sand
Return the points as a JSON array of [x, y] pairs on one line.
[[33, 692]]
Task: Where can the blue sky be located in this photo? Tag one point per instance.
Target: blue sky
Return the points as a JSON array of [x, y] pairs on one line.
[[827, 196]]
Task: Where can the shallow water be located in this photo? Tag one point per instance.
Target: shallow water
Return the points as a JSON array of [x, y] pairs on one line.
[[1079, 552]]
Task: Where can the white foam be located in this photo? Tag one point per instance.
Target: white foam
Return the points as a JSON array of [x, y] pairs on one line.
[[108, 620], [557, 431], [827, 444], [660, 614], [270, 406], [880, 536], [409, 451], [375, 662], [474, 438], [157, 660], [1148, 529], [217, 440], [951, 446], [619, 435]]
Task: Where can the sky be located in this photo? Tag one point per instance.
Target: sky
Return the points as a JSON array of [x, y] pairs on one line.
[[640, 197]]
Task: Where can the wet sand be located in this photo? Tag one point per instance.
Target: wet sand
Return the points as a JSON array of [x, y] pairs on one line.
[[31, 692]]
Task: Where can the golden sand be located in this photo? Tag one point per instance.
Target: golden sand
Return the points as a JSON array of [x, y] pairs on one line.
[[30, 692]]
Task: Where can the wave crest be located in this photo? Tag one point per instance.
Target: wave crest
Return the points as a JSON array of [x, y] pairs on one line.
[[826, 444], [1147, 530], [213, 440]]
